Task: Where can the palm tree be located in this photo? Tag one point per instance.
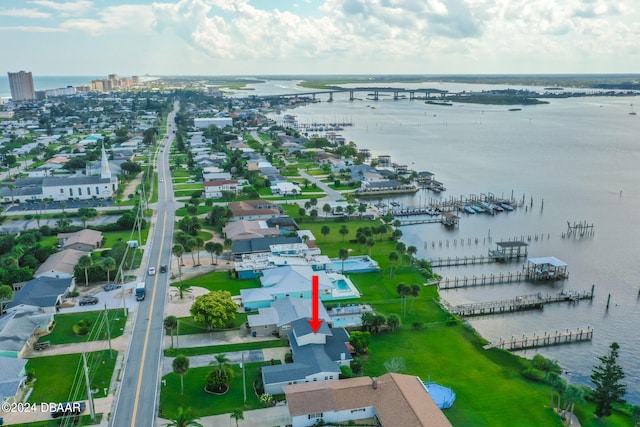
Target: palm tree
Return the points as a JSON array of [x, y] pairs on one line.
[[199, 242], [393, 257], [184, 418], [325, 230], [85, 262], [218, 249], [178, 251], [344, 231], [183, 288], [108, 264], [411, 250], [37, 217], [343, 254], [170, 324], [211, 248], [237, 415], [326, 208], [370, 244], [189, 245], [181, 367], [401, 248]]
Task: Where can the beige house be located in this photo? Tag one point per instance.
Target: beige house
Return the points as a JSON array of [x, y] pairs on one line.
[[84, 240], [243, 230], [59, 265], [393, 400]]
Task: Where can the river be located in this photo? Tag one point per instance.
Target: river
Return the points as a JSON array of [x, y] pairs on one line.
[[575, 159]]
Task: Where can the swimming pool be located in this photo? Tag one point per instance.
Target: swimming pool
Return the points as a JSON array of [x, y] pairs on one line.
[[441, 395], [361, 264], [345, 321], [341, 285]]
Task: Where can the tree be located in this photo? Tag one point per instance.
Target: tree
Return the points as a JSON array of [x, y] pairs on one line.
[[393, 257], [393, 321], [178, 251], [401, 248], [414, 291], [343, 254], [403, 290], [181, 367], [199, 243], [210, 248], [184, 418], [189, 245], [572, 395], [108, 264], [607, 376], [325, 230], [411, 251], [6, 296], [183, 288], [218, 248], [360, 341], [216, 309], [344, 230], [237, 415], [85, 262], [171, 324], [326, 208]]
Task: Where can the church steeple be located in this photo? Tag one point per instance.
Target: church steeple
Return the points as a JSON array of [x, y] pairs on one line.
[[105, 172]]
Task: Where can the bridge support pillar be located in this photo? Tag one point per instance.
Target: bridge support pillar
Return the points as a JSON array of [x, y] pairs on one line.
[[350, 95], [330, 96], [412, 95], [395, 95], [375, 96]]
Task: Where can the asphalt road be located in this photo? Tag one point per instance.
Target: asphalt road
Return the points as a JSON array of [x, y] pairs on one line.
[[138, 396]]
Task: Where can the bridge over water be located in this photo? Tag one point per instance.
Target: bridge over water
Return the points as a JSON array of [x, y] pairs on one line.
[[374, 92]]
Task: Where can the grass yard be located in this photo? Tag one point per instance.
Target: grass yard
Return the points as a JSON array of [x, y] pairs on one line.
[[112, 237], [220, 281], [188, 326], [63, 331], [226, 348], [57, 374], [188, 186], [202, 209], [202, 403]]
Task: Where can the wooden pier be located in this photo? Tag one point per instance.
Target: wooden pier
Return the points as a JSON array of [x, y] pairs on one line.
[[490, 279], [453, 262], [420, 221], [520, 303], [556, 338]]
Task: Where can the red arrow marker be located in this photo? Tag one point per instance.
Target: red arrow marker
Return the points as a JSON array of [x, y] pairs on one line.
[[315, 298]]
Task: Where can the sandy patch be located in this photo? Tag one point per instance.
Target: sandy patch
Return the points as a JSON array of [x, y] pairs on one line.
[[180, 307]]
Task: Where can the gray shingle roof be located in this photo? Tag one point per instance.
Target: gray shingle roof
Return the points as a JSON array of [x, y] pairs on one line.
[[40, 292], [260, 244]]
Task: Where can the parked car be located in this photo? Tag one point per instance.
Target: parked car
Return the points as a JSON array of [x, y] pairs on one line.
[[111, 287], [152, 271], [88, 300], [67, 409], [163, 268]]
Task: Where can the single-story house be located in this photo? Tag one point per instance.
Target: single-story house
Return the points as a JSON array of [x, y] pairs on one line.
[[43, 292], [262, 244], [243, 230], [214, 189], [60, 264], [86, 240], [254, 209], [21, 327], [392, 400]]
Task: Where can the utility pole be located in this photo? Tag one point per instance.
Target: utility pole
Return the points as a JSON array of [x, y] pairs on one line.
[[106, 315], [89, 394], [244, 383]]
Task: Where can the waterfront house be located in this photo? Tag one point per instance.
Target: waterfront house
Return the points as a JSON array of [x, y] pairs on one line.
[[277, 318], [390, 400], [254, 209]]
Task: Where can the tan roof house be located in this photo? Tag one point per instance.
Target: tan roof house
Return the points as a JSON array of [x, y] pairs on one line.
[[84, 240], [393, 400], [254, 209], [59, 265], [243, 230]]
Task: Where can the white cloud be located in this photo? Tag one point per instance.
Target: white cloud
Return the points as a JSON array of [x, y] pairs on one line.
[[70, 8], [25, 13], [135, 18], [32, 29]]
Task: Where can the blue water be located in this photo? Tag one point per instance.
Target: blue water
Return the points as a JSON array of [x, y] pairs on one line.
[[355, 265], [342, 322], [577, 158], [441, 395], [341, 285]]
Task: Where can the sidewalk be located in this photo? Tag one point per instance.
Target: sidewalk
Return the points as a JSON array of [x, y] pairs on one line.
[[212, 338], [267, 417], [235, 357]]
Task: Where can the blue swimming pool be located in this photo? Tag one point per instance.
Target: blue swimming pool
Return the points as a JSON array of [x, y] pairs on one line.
[[361, 264], [341, 285], [441, 395], [346, 321]]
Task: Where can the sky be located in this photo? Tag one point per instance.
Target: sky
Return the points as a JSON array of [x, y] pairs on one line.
[[263, 37]]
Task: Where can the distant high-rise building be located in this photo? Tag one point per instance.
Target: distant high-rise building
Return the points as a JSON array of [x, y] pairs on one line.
[[21, 84]]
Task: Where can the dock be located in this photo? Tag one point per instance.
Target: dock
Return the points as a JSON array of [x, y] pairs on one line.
[[519, 303], [485, 279], [548, 339], [465, 260]]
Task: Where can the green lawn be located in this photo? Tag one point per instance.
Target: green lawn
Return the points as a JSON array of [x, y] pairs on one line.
[[202, 403], [63, 333], [188, 186], [55, 376], [188, 326], [202, 209], [226, 348], [220, 281], [112, 237]]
